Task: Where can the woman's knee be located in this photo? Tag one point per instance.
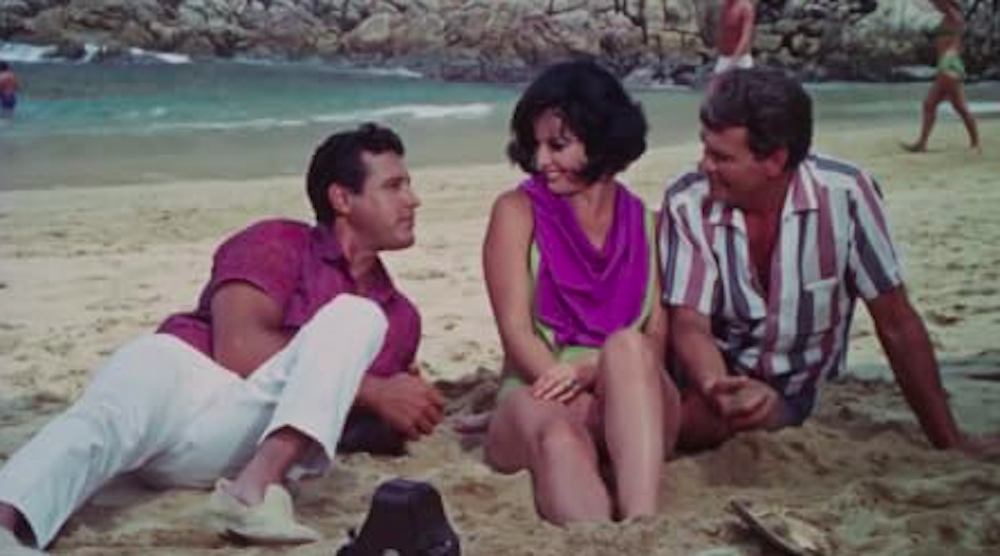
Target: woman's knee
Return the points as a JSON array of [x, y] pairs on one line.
[[628, 357], [560, 439], [505, 437], [523, 434]]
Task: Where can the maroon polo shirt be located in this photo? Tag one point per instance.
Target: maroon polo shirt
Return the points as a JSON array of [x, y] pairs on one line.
[[301, 268]]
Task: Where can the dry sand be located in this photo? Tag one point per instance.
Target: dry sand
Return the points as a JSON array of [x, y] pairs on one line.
[[82, 270]]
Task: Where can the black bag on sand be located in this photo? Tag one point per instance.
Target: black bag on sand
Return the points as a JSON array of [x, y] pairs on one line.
[[406, 518]]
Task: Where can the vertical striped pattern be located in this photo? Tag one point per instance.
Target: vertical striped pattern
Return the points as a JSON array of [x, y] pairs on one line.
[[833, 246]]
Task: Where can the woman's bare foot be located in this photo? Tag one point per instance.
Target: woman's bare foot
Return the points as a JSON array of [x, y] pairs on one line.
[[914, 147]]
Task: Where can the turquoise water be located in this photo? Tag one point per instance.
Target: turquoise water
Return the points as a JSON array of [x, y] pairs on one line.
[[145, 100], [85, 124], [106, 124]]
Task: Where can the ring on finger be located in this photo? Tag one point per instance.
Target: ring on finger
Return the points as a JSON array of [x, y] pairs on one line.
[[574, 383]]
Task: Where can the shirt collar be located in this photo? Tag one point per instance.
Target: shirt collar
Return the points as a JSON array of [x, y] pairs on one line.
[[330, 252], [802, 194], [327, 245], [801, 197], [720, 214]]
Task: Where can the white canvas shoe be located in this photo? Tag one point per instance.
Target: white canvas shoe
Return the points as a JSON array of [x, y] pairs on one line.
[[270, 522]]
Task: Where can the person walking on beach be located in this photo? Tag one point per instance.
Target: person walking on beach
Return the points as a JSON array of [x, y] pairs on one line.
[[734, 35], [298, 331], [765, 250], [8, 90], [947, 85], [570, 265]]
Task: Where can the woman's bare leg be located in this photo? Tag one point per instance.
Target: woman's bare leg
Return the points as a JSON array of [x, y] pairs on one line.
[[958, 102], [641, 420], [934, 97], [552, 441]]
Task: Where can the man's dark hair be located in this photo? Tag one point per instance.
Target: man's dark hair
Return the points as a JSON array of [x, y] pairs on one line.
[[774, 108], [338, 160], [4, 66], [593, 105]]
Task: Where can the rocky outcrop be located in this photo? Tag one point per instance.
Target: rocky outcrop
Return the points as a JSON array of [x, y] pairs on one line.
[[867, 39], [507, 39]]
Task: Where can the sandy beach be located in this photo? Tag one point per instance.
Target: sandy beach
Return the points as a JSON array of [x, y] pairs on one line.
[[84, 269]]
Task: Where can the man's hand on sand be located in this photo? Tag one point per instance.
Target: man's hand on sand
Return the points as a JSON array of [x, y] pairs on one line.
[[746, 403], [409, 404]]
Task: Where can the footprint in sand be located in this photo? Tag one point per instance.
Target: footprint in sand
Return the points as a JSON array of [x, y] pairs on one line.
[[422, 275], [468, 348], [984, 309], [58, 348], [941, 319], [9, 343]]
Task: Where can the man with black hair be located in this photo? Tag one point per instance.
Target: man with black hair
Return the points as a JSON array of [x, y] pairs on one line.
[[298, 325], [764, 251]]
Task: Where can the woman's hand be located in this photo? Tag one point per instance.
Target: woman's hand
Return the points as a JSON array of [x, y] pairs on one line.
[[562, 382]]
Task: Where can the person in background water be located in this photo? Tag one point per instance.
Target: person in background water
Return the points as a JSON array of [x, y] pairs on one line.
[[947, 85], [8, 90], [570, 265], [299, 330], [734, 35]]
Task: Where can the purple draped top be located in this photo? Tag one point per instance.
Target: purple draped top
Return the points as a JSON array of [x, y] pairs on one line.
[[584, 293]]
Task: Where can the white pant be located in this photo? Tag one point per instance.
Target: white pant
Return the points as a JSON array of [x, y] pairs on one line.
[[172, 414], [723, 63]]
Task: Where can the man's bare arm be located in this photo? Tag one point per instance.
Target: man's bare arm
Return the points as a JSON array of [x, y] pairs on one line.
[[247, 327], [694, 345], [911, 356]]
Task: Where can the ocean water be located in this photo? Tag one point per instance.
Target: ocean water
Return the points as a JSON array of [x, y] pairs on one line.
[[166, 118]]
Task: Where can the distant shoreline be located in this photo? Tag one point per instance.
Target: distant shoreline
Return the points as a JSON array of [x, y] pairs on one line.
[[81, 126]]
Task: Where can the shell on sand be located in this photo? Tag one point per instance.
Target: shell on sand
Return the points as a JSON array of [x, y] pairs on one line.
[[784, 530]]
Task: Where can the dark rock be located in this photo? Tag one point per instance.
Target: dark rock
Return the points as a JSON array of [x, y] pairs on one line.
[[67, 50], [507, 40], [111, 54]]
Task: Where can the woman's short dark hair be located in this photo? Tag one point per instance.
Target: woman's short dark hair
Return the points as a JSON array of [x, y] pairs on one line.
[[338, 160], [593, 105], [773, 107]]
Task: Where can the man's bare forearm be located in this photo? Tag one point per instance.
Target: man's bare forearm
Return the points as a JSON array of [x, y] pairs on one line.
[[699, 357], [911, 357]]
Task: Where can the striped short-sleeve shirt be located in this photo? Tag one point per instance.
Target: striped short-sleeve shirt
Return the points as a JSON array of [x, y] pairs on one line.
[[833, 246]]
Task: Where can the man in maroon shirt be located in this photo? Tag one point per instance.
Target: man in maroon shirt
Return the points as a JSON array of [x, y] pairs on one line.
[[298, 334]]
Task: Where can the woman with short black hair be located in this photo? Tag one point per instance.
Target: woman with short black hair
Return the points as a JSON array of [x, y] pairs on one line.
[[570, 263]]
